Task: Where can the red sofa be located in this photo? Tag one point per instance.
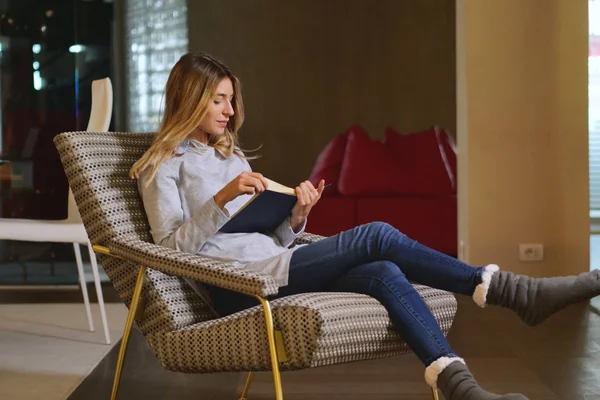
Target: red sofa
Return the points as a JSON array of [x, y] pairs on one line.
[[406, 180]]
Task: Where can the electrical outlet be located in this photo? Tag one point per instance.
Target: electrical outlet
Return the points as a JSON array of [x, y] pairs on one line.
[[531, 252]]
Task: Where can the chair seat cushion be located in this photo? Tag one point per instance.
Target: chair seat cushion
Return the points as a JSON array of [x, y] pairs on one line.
[[40, 230], [318, 329]]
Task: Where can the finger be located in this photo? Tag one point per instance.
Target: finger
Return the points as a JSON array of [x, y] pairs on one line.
[[255, 175], [305, 196], [313, 199], [311, 191], [247, 189], [308, 185], [258, 184], [321, 186], [255, 183], [262, 179], [300, 195], [246, 174], [307, 192]]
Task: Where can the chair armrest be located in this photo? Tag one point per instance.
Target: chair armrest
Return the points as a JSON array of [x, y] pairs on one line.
[[307, 238], [203, 269]]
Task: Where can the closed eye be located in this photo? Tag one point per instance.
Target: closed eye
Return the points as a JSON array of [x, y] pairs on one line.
[[224, 96]]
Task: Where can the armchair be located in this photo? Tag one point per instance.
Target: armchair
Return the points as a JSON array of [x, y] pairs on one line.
[[295, 332]]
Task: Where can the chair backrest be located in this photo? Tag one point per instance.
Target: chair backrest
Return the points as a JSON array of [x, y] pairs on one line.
[[100, 115], [102, 104], [97, 166]]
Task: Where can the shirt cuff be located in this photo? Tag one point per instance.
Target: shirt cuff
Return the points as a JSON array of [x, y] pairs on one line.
[[221, 213], [285, 234], [301, 231]]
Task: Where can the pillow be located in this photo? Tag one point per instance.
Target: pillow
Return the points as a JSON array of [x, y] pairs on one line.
[[329, 164], [450, 151], [370, 167], [423, 155]]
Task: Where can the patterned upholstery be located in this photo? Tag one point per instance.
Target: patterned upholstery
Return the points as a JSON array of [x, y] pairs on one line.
[[318, 328]]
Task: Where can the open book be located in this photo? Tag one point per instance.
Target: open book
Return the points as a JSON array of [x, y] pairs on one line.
[[264, 211]]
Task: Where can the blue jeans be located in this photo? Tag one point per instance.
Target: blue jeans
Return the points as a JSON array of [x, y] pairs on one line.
[[377, 260]]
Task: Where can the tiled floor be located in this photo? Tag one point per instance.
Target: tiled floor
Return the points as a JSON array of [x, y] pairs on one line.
[[559, 359], [47, 350]]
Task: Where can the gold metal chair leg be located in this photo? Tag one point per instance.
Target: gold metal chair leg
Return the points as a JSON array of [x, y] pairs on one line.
[[247, 385], [272, 347], [434, 392], [128, 325]]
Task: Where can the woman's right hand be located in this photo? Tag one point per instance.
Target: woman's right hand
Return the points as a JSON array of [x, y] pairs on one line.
[[244, 183]]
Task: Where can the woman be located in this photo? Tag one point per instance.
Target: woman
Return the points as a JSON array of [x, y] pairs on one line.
[[194, 176]]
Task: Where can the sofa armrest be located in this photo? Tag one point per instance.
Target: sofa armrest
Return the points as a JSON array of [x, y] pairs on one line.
[[203, 269], [307, 238]]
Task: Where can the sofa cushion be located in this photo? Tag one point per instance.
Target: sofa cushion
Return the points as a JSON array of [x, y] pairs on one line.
[[329, 164], [423, 154], [430, 220], [450, 152], [318, 329], [332, 215], [371, 168]]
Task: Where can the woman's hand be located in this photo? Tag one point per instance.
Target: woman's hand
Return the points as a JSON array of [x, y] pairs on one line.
[[307, 198], [244, 183]]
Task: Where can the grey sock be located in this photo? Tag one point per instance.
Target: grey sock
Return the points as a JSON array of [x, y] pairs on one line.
[[536, 299], [457, 383]]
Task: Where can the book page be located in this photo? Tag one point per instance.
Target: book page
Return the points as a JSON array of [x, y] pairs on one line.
[[278, 187]]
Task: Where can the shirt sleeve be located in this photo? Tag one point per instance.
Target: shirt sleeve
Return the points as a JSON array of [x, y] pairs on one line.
[[285, 234], [165, 215]]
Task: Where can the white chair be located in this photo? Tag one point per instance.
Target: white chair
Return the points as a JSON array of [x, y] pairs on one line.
[[71, 230]]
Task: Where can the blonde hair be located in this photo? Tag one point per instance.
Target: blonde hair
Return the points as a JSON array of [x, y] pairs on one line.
[[189, 90]]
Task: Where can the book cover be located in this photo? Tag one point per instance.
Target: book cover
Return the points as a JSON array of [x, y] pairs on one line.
[[264, 211]]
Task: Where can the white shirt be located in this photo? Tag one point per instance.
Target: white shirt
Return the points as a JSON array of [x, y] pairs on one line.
[[183, 215]]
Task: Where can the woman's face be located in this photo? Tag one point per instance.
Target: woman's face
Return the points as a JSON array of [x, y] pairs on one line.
[[220, 109]]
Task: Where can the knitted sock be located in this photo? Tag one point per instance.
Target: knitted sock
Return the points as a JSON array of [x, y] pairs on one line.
[[535, 299], [456, 382]]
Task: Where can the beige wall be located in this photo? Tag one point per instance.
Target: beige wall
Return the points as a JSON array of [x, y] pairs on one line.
[[522, 132], [517, 94], [312, 68]]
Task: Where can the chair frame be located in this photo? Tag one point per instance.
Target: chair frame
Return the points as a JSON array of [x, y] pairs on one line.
[[276, 346]]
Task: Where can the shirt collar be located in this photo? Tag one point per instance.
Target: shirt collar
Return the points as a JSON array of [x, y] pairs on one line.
[[192, 145]]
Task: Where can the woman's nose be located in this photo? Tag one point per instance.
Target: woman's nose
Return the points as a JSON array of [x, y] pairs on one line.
[[229, 109]]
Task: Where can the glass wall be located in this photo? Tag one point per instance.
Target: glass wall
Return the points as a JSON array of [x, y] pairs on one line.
[[156, 36], [50, 52]]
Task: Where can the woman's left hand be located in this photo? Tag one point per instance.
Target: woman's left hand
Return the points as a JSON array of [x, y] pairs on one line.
[[308, 196]]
